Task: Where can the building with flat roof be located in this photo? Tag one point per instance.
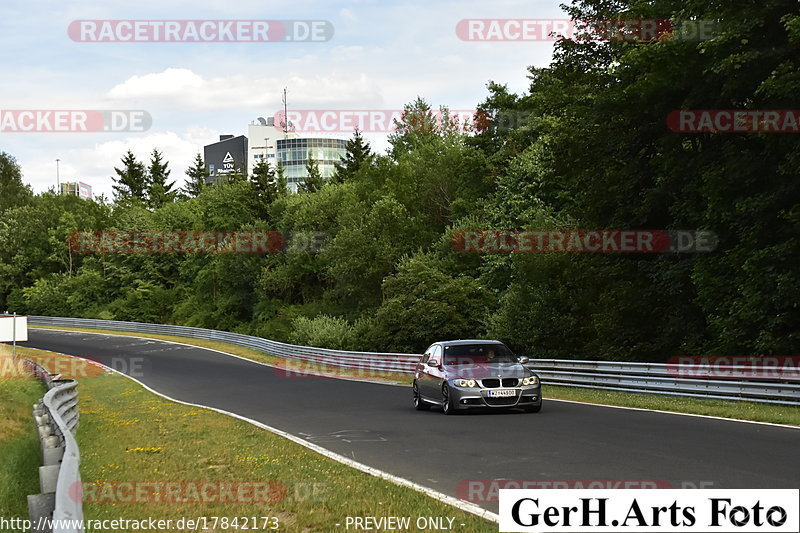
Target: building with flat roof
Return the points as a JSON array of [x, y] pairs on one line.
[[263, 135], [269, 141]]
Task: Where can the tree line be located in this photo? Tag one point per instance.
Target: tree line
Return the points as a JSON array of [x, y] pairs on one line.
[[585, 147]]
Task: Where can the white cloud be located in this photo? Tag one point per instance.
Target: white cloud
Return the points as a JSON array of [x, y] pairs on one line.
[[170, 82], [182, 88]]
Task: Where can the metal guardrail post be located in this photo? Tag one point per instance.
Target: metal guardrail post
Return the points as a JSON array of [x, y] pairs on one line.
[[55, 508]]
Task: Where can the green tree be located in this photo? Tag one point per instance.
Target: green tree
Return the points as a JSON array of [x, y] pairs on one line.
[[228, 206], [269, 184], [358, 155], [314, 181], [131, 183], [416, 126], [159, 191], [594, 145], [421, 302], [12, 191], [35, 239], [308, 222], [197, 176], [370, 240]]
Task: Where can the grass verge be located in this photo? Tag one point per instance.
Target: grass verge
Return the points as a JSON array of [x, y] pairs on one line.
[[754, 411], [19, 446], [131, 439]]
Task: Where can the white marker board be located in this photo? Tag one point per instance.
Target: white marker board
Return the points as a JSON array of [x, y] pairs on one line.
[[7, 328]]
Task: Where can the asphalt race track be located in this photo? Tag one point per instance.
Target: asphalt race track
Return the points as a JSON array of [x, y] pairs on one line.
[[377, 425]]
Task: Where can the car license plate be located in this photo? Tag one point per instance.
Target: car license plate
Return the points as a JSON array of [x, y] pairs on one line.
[[504, 393]]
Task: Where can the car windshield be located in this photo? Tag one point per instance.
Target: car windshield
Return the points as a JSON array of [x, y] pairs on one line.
[[470, 354]]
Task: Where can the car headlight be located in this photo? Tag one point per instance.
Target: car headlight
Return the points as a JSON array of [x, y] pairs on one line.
[[465, 383], [533, 380]]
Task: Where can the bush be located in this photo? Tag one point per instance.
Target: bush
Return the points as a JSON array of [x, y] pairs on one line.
[[323, 331]]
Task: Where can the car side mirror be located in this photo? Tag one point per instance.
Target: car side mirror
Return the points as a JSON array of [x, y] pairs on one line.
[[433, 364], [523, 360]]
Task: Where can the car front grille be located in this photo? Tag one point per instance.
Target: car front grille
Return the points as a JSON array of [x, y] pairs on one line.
[[494, 383]]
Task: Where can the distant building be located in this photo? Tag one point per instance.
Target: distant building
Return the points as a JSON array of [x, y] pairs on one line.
[[226, 156], [263, 135], [293, 155], [77, 188], [267, 141], [292, 150]]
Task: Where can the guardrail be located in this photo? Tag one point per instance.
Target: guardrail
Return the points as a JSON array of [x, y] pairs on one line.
[[56, 417], [653, 378], [724, 382], [323, 357]]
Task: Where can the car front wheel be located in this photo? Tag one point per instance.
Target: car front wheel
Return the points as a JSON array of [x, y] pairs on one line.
[[447, 401]]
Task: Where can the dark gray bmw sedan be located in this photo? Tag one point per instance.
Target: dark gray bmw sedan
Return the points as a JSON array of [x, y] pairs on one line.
[[458, 375]]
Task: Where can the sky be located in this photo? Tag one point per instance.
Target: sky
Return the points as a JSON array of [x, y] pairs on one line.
[[382, 55]]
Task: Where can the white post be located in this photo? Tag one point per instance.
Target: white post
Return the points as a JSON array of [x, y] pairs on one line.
[[14, 336]]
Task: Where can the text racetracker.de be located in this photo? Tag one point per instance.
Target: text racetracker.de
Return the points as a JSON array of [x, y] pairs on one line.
[[598, 511]]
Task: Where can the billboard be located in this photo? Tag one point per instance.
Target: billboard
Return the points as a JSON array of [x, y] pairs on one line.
[[9, 331], [226, 157], [84, 190]]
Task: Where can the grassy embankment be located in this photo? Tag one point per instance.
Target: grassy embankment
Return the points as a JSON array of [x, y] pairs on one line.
[[19, 445]]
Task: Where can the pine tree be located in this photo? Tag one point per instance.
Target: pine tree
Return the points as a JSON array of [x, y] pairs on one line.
[[314, 181], [358, 154], [198, 175], [269, 184], [282, 184], [131, 182], [159, 192]]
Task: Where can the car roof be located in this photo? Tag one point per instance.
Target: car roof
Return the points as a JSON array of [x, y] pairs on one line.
[[468, 341]]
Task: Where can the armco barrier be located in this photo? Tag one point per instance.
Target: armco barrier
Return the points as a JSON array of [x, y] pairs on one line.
[[56, 417], [672, 379], [650, 378], [325, 358]]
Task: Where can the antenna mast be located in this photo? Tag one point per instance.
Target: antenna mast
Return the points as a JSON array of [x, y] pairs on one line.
[[285, 116]]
